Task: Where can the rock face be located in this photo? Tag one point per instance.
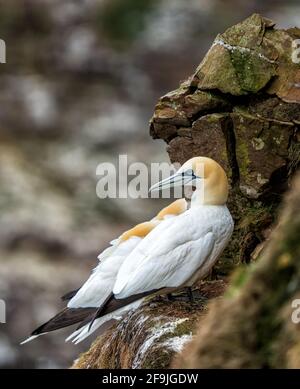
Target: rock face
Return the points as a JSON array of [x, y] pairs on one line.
[[242, 108]]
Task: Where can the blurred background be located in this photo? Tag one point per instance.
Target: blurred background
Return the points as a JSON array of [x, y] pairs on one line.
[[79, 87]]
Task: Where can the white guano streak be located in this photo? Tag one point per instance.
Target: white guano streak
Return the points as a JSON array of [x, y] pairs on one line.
[[177, 343], [220, 42], [153, 336]]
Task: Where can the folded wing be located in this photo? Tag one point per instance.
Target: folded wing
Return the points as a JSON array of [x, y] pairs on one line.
[[167, 257], [98, 287]]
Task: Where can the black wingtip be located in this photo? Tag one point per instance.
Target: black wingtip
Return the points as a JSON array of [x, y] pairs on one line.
[[112, 304], [101, 309], [65, 318]]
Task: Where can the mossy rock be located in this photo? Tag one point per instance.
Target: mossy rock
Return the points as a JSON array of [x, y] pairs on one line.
[[236, 113]]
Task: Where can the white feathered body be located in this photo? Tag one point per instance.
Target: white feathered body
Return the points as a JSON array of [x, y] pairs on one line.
[[99, 286], [176, 254], [173, 250]]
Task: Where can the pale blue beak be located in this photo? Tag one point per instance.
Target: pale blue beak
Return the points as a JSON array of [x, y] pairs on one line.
[[178, 179]]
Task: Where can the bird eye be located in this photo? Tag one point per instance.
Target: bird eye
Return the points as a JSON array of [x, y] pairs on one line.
[[189, 172]]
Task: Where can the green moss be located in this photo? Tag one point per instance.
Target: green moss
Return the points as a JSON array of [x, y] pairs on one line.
[[252, 71], [238, 280], [272, 283], [158, 360], [243, 157], [248, 33], [284, 283], [256, 213], [184, 328], [269, 322]]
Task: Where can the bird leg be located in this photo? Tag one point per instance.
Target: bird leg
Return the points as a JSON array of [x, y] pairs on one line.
[[170, 297], [190, 294]]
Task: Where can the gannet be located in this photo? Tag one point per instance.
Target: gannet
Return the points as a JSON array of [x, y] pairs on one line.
[[179, 254], [98, 288], [174, 254]]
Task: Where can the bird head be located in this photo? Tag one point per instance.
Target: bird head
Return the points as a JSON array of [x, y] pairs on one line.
[[205, 175]]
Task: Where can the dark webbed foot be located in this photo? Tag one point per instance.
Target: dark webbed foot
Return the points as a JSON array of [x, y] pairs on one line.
[[180, 296], [190, 294], [170, 297]]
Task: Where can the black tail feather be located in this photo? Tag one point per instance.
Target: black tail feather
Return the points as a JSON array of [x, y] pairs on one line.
[[112, 305], [65, 318], [69, 316]]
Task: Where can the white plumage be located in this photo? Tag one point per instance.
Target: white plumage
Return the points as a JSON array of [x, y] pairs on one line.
[[99, 286], [173, 250]]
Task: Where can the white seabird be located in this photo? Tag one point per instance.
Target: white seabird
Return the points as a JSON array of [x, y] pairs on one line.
[[175, 254], [98, 288], [179, 254]]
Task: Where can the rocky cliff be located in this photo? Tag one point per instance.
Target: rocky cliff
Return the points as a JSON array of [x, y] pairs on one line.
[[240, 107]]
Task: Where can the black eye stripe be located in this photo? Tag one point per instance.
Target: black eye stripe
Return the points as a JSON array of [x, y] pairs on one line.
[[189, 172]]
